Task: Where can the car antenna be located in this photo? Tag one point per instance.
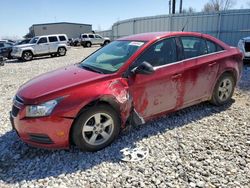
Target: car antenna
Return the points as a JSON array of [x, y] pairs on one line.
[[185, 25]]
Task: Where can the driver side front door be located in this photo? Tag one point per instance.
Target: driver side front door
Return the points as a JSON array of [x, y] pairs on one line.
[[158, 92]]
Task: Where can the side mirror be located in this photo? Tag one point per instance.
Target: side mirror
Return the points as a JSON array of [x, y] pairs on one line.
[[144, 68]]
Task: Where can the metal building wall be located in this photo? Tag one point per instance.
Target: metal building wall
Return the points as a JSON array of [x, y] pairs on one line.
[[229, 26], [70, 29]]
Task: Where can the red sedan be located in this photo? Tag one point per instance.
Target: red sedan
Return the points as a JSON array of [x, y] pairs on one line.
[[133, 79]]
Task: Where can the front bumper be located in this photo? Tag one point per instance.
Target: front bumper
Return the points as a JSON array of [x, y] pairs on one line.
[[45, 132], [16, 54]]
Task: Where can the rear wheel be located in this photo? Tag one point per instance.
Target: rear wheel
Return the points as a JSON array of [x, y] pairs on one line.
[[106, 42], [88, 44], [223, 90], [61, 51], [27, 56], [96, 128]]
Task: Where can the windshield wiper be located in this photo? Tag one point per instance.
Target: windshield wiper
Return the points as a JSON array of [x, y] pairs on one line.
[[91, 69]]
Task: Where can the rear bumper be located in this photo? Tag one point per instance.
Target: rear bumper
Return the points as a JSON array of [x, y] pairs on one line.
[[46, 132]]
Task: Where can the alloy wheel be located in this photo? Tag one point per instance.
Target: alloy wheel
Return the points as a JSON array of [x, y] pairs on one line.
[[98, 129], [225, 89], [27, 56], [61, 51]]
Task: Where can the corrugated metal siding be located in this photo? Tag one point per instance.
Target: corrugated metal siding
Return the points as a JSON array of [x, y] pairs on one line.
[[71, 30], [229, 26]]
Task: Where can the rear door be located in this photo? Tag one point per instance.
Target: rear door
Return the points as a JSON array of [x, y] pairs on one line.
[[92, 38], [158, 92], [200, 69], [53, 43], [42, 46]]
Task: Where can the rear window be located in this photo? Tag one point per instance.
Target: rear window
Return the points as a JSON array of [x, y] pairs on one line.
[[193, 46], [53, 39], [212, 47], [62, 38]]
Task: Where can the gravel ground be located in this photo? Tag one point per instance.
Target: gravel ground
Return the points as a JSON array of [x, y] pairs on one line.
[[200, 146]]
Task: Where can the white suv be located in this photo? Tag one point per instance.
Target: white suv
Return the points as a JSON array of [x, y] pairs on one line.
[[87, 40], [244, 46], [42, 45]]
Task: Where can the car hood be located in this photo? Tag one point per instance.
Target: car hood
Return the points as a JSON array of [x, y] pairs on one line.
[[55, 81], [24, 45]]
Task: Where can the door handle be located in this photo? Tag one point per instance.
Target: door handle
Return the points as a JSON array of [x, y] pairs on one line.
[[176, 76], [212, 64]]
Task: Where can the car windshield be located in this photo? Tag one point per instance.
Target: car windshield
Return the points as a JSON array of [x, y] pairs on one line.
[[111, 57], [33, 40]]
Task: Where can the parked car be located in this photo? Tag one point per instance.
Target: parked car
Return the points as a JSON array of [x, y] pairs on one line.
[[244, 46], [76, 42], [133, 79], [24, 41], [87, 40], [2, 61], [6, 49], [8, 41], [40, 46]]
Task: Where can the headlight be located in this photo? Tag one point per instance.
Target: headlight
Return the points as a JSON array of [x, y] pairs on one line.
[[41, 110]]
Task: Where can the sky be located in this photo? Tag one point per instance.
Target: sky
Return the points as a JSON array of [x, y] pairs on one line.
[[18, 15]]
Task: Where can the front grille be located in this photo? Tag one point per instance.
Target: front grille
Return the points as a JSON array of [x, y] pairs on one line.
[[247, 46], [14, 111], [19, 100], [40, 138]]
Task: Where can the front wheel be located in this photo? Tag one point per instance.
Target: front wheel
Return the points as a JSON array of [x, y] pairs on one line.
[[27, 56], [223, 90], [96, 128]]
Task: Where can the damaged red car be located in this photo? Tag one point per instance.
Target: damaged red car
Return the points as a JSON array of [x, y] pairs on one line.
[[132, 80]]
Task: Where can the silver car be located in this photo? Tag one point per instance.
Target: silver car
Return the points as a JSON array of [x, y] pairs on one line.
[[42, 45], [87, 40]]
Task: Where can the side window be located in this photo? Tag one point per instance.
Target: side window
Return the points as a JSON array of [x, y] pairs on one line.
[[53, 39], [91, 36], [193, 46], [84, 36], [1, 45], [62, 38], [212, 47], [98, 36], [160, 53], [42, 40]]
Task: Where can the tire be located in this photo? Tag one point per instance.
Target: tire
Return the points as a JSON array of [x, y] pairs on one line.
[[106, 42], [9, 56], [88, 44], [223, 90], [27, 56], [89, 135], [61, 51]]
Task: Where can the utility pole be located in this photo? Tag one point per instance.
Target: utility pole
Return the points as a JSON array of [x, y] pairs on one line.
[[180, 10], [169, 5], [173, 6]]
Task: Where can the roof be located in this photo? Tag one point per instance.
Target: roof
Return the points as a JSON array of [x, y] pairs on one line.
[[57, 23], [156, 35]]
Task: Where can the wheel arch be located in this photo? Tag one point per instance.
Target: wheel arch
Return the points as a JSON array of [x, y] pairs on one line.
[[28, 50], [107, 100], [226, 71]]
